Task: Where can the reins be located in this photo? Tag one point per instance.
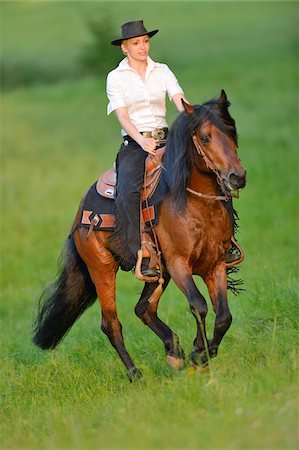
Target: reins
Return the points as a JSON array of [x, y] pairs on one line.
[[208, 197], [212, 167]]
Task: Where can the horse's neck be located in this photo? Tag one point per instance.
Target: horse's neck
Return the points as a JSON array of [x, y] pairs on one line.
[[203, 182]]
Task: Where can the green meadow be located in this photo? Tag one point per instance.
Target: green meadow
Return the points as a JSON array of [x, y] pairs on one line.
[[55, 141]]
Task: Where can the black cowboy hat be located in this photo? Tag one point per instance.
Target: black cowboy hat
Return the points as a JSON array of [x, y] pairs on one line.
[[133, 29]]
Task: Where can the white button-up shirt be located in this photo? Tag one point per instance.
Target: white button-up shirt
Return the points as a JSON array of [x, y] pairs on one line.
[[144, 99]]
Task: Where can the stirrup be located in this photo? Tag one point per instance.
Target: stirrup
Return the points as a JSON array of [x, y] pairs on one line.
[[235, 255], [149, 250], [147, 269], [147, 274], [151, 272], [232, 257]]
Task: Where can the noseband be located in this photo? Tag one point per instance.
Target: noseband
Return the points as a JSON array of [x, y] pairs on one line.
[[211, 166]]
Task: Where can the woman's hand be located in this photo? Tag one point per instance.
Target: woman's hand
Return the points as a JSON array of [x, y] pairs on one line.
[[148, 145]]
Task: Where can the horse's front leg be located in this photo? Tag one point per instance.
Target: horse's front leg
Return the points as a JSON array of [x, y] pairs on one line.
[[217, 286], [182, 276]]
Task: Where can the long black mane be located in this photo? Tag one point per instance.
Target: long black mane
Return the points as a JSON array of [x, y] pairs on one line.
[[179, 155]]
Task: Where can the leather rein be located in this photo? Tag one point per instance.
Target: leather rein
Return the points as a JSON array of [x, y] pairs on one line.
[[212, 167]]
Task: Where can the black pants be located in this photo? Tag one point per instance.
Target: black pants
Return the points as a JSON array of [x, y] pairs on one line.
[[130, 167]]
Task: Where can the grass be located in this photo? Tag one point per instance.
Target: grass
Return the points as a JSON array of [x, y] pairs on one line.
[[56, 140]]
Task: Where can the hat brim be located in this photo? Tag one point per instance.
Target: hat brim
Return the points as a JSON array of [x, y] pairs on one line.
[[119, 41]]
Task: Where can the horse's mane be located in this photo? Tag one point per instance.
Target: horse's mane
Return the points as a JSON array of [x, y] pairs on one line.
[[179, 155]]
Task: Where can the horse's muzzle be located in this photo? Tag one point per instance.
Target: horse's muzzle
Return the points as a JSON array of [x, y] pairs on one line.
[[236, 180]]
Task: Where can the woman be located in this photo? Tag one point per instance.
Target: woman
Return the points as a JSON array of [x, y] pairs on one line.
[[136, 90]]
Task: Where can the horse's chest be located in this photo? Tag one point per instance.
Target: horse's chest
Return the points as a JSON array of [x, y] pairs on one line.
[[216, 222], [214, 239], [200, 236]]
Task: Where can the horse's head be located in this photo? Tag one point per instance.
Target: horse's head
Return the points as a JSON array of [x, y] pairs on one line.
[[215, 139]]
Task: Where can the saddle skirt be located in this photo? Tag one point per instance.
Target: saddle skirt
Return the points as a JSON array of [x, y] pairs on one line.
[[153, 167]]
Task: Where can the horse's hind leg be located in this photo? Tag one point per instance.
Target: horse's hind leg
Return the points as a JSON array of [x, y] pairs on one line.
[[146, 310], [103, 269]]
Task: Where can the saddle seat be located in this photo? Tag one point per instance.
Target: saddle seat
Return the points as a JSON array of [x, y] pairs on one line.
[[153, 167]]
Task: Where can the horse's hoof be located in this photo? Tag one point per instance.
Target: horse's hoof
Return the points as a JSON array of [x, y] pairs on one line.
[[213, 352], [199, 359], [175, 363], [134, 374]]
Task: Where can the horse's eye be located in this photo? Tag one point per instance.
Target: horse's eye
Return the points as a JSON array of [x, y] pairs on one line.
[[204, 139]]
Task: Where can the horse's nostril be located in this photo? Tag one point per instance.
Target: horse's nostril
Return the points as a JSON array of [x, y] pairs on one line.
[[237, 181], [233, 179]]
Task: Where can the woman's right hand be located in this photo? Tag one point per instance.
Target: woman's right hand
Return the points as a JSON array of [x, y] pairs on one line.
[[148, 145]]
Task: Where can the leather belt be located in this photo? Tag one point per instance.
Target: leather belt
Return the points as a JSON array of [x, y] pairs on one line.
[[159, 134]]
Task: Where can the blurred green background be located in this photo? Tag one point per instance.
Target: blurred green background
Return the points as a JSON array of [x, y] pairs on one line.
[[55, 141]]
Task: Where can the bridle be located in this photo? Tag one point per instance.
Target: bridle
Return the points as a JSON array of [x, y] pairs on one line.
[[210, 165]]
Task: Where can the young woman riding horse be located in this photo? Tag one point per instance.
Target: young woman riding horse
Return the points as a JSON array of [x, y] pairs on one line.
[[194, 233], [136, 90]]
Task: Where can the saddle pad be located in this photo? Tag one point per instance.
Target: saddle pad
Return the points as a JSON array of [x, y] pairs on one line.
[[98, 209]]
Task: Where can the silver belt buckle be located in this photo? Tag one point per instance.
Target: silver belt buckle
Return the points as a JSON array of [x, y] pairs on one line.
[[158, 134]]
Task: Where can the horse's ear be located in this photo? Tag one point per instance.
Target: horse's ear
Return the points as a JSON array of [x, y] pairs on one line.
[[223, 97], [187, 107]]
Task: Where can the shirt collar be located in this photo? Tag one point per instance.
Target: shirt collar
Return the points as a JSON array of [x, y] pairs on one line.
[[124, 65]]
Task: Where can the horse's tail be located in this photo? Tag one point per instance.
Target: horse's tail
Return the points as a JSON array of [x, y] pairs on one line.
[[64, 300]]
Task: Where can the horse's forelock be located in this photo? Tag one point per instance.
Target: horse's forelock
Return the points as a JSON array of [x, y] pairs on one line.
[[219, 115]]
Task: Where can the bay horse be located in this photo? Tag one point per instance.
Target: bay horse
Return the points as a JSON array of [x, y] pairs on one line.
[[194, 233]]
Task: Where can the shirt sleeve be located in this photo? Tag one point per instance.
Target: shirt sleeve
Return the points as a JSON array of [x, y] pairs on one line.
[[172, 84], [114, 93]]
